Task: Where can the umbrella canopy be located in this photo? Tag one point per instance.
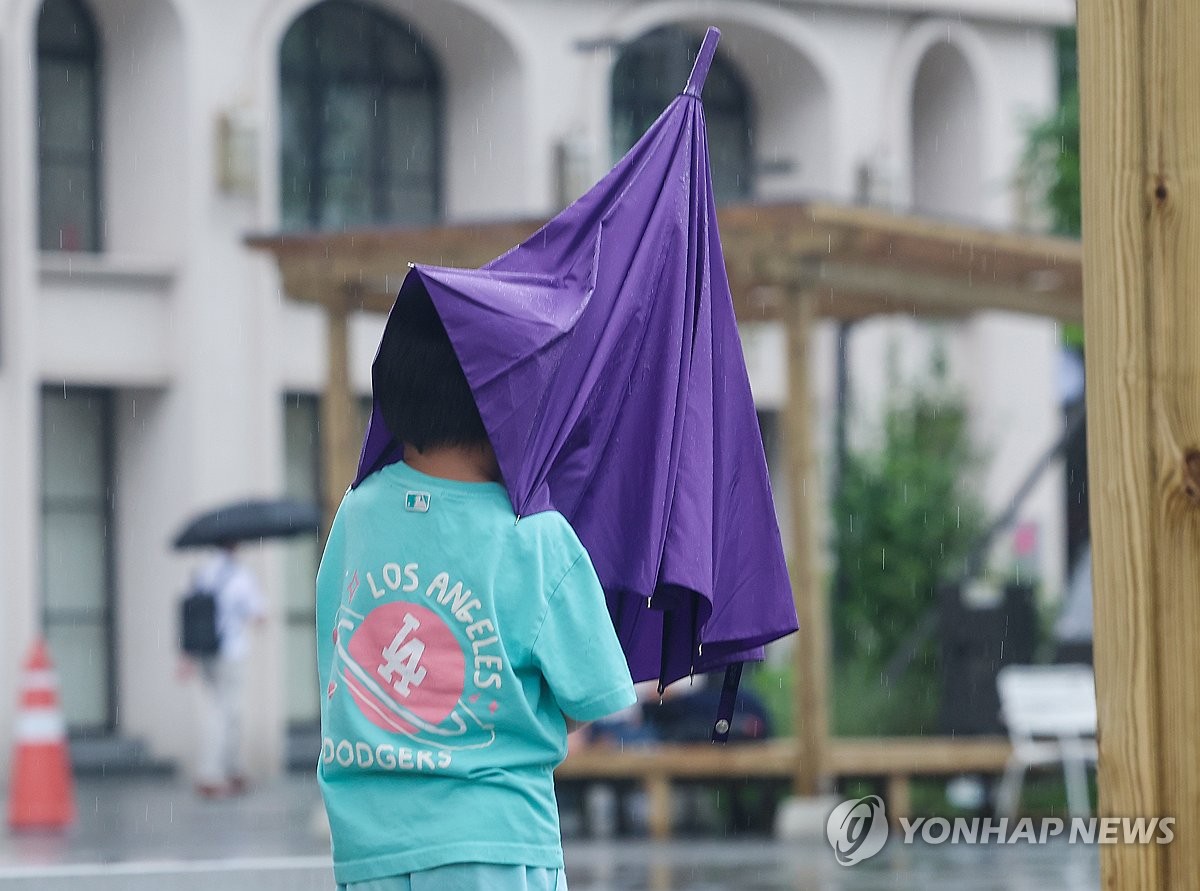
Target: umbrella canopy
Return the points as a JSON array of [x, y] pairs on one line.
[[605, 360], [250, 520]]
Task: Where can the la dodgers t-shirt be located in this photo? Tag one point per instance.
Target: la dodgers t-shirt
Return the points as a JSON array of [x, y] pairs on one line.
[[451, 640]]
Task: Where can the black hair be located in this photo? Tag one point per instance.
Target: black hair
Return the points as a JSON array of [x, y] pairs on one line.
[[422, 391]]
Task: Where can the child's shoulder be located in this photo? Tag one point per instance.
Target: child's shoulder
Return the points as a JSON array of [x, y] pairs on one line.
[[549, 525], [550, 539], [399, 485], [395, 491]]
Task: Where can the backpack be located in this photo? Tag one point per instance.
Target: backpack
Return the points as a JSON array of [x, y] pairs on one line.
[[198, 633]]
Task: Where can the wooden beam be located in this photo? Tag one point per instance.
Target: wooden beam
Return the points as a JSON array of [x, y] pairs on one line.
[[769, 758], [810, 681], [462, 244], [339, 449], [898, 290], [896, 759], [917, 755], [845, 756], [1140, 83], [871, 262]]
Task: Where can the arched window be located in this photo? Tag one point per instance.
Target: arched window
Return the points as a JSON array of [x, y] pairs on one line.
[[69, 143], [361, 121], [652, 70]]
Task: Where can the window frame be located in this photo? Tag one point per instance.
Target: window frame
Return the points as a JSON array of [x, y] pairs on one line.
[[92, 57], [314, 81], [295, 618], [108, 609]]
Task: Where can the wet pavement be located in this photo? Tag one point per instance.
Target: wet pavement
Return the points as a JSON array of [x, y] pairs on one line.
[[139, 834]]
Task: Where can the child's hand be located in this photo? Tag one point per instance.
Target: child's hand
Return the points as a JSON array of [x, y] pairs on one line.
[[577, 741]]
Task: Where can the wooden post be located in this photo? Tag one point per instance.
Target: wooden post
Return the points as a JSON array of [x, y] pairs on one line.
[[339, 450], [899, 798], [1140, 83], [810, 684], [660, 806]]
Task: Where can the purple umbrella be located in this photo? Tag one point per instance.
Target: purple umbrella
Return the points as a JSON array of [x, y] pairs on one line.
[[604, 357]]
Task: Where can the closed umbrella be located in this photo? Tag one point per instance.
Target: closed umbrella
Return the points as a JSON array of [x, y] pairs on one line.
[[604, 357]]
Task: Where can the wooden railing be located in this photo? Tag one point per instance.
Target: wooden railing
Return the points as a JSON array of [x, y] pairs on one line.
[[896, 759]]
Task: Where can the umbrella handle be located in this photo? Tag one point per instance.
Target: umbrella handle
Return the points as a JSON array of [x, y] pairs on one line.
[[703, 61]]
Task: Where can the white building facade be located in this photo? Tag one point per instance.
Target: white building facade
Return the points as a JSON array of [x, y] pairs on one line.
[[150, 366]]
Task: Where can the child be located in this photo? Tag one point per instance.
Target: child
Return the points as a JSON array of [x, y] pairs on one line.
[[456, 647]]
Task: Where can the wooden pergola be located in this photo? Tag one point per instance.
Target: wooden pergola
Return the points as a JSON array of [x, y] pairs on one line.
[[787, 262]]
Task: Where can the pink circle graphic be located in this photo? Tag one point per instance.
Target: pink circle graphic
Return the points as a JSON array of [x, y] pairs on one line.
[[412, 663]]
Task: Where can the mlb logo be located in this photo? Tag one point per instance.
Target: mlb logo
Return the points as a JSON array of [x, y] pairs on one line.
[[417, 502]]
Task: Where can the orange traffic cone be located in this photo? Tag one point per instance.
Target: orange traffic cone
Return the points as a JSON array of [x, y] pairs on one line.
[[41, 789]]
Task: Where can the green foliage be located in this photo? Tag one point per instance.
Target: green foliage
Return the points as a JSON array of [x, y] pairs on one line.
[[905, 518], [1066, 42], [864, 704], [1050, 166], [772, 683], [1044, 795]]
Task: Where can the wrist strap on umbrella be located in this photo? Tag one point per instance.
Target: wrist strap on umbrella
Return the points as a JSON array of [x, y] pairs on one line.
[[729, 691]]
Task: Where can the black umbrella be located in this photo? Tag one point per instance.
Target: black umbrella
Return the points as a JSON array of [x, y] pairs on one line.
[[249, 520]]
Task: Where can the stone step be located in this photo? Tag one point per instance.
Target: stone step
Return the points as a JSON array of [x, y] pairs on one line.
[[108, 755]]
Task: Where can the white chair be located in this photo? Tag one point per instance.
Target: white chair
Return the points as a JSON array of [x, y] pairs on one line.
[[1050, 712]]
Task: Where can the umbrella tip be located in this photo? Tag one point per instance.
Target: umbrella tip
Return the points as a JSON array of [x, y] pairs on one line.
[[708, 49]]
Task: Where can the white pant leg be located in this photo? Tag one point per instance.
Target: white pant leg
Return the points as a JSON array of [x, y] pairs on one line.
[[209, 770], [230, 673], [220, 736]]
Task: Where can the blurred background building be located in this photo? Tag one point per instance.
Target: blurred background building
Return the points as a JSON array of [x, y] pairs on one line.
[[150, 367]]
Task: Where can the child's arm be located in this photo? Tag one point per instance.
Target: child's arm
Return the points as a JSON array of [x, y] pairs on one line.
[[329, 582], [577, 651]]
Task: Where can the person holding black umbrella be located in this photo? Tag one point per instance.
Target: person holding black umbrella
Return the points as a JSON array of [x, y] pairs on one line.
[[223, 601], [238, 605]]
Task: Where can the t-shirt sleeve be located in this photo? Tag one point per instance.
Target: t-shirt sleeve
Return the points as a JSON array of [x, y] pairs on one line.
[[577, 650], [328, 589]]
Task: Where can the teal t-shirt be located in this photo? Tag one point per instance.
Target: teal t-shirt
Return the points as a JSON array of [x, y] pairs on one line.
[[451, 641]]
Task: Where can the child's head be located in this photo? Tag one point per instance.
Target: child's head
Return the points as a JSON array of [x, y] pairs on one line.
[[420, 386]]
